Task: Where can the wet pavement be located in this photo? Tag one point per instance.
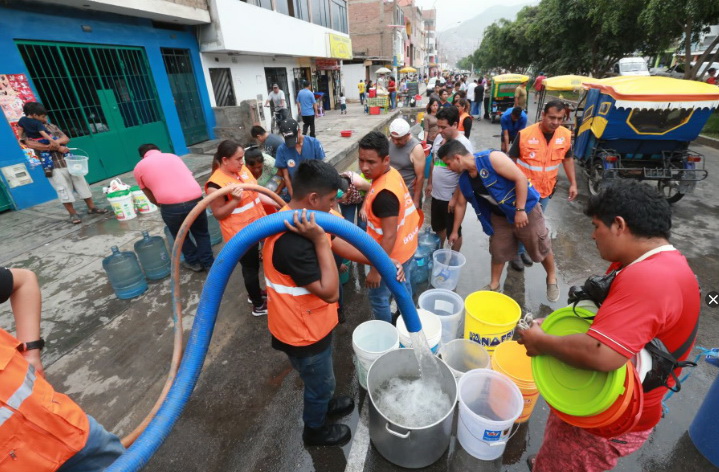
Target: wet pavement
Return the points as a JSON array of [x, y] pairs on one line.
[[245, 413]]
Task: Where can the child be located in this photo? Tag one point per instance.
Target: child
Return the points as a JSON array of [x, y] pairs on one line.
[[343, 104], [34, 126]]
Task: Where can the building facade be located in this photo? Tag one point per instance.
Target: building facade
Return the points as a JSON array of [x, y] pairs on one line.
[[432, 46], [113, 77], [252, 44]]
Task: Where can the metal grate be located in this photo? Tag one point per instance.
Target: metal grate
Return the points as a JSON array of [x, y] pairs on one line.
[[222, 86], [178, 65], [69, 76]]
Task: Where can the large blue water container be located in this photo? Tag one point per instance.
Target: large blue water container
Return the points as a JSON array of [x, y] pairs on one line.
[[420, 267], [126, 277], [214, 226], [429, 239], [153, 255], [704, 430]]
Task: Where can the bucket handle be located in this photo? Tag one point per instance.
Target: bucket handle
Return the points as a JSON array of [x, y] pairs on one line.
[[395, 433], [493, 443]]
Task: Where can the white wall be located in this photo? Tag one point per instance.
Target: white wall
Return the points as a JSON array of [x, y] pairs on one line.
[[351, 75], [248, 77], [239, 26]]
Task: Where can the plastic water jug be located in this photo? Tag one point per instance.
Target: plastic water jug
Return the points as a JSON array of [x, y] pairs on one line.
[[214, 226], [429, 240], [420, 267], [125, 275], [154, 258]]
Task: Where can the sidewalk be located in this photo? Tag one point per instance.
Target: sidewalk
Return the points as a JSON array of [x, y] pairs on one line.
[[112, 355]]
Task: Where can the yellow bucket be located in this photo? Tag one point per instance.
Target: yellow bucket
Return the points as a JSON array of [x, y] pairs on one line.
[[511, 359], [490, 318], [420, 117]]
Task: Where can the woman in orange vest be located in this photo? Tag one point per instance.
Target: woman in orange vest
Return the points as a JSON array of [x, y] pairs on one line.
[[237, 210], [465, 119], [41, 430]]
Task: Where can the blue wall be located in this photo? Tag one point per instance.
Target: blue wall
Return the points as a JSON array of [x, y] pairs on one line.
[[65, 25]]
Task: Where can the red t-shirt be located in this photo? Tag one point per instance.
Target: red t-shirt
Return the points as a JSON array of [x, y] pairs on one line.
[[656, 298], [392, 86], [712, 80]]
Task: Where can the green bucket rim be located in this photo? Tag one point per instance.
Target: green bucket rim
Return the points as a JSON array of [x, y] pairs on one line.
[[557, 381]]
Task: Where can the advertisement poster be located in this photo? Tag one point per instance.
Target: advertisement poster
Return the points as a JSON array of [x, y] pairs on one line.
[[15, 91]]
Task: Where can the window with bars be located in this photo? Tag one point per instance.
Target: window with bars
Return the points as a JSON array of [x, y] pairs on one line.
[[68, 77], [222, 86]]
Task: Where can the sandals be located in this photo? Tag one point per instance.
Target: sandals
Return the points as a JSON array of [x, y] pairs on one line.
[[96, 211], [75, 219], [530, 461]]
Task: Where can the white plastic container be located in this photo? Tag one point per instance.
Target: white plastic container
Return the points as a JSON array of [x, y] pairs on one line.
[[462, 355], [122, 205], [77, 165], [431, 327], [446, 269], [489, 404], [142, 203], [370, 340], [449, 307]]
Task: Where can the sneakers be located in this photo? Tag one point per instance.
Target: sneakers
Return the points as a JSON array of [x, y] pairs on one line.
[[528, 262], [193, 267], [340, 406], [552, 292], [328, 435], [260, 310], [264, 296], [517, 264]]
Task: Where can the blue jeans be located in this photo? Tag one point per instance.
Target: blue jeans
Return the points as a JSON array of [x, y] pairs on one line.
[[393, 100], [350, 212], [101, 450], [199, 252], [543, 202], [319, 378], [379, 297], [476, 108]]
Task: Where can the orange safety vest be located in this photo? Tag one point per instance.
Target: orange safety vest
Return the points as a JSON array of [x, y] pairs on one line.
[[40, 429], [408, 221], [540, 160], [460, 126], [295, 316], [248, 209]]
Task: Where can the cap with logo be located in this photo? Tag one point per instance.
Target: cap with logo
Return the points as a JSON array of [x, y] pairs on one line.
[[289, 130]]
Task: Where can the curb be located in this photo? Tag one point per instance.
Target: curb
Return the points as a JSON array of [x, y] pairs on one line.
[[707, 141], [353, 147]]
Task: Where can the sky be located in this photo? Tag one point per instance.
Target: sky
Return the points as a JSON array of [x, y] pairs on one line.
[[451, 12]]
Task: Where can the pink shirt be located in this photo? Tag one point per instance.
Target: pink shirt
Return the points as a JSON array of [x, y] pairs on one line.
[[167, 176]]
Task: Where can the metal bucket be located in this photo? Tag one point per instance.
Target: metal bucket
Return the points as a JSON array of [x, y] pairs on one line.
[[408, 447]]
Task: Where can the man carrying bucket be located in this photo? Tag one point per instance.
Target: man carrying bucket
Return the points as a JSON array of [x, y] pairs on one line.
[[506, 205], [654, 294]]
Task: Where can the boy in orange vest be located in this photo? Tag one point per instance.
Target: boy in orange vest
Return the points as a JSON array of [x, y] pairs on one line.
[[46, 431]]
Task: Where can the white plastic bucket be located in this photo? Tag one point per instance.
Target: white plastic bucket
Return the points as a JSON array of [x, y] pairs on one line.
[[448, 306], [141, 202], [77, 165], [462, 355], [122, 205], [446, 268], [370, 340], [431, 327], [489, 404]]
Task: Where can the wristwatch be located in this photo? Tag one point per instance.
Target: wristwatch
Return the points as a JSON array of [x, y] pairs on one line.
[[519, 209], [39, 344]]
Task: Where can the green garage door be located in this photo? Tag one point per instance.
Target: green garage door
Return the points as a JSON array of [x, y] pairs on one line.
[[102, 97]]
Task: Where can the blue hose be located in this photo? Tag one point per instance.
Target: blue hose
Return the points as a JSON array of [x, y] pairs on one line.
[[150, 440]]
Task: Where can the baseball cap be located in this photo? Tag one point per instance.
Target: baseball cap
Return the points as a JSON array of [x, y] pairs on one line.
[[399, 128], [289, 130], [275, 85]]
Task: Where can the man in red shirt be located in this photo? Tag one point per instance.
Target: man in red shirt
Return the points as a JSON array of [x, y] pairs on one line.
[[538, 85], [655, 294], [712, 76]]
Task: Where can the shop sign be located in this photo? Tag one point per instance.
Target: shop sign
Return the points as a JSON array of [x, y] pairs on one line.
[[327, 64], [340, 46]]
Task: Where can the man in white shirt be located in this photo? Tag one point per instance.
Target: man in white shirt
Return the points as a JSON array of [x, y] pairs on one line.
[[470, 97], [279, 104]]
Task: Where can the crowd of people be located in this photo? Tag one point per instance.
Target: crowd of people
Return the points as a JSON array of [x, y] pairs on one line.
[[509, 191]]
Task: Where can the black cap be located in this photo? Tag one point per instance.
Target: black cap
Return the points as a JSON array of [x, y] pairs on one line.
[[344, 183], [289, 130]]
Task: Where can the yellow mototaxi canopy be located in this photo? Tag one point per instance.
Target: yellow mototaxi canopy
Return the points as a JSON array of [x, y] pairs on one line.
[[408, 70], [510, 78], [566, 82], [658, 93]]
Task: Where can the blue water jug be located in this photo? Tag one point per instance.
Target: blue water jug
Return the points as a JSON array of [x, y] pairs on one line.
[[125, 275], [420, 267], [214, 226], [429, 240], [153, 255]]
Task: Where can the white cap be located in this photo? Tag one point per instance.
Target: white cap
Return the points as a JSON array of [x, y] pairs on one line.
[[399, 128]]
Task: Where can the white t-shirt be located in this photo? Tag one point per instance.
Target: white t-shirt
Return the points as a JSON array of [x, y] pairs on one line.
[[444, 181], [343, 100], [277, 99], [470, 90]]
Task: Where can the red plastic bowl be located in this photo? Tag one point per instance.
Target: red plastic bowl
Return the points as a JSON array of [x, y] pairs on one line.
[[346, 133]]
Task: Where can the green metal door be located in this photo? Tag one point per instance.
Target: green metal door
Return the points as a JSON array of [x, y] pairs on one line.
[[184, 90], [5, 203], [102, 97]]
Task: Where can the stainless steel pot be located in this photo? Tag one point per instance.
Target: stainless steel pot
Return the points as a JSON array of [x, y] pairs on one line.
[[408, 447]]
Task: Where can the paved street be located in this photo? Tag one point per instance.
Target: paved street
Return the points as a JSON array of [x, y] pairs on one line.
[[245, 413]]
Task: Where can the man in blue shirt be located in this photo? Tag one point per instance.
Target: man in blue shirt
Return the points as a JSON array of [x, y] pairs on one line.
[[308, 108], [297, 148], [513, 121]]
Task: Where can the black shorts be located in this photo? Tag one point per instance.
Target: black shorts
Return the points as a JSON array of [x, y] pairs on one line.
[[442, 219]]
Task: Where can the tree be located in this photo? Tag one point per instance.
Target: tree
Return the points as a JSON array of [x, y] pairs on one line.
[[685, 19]]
